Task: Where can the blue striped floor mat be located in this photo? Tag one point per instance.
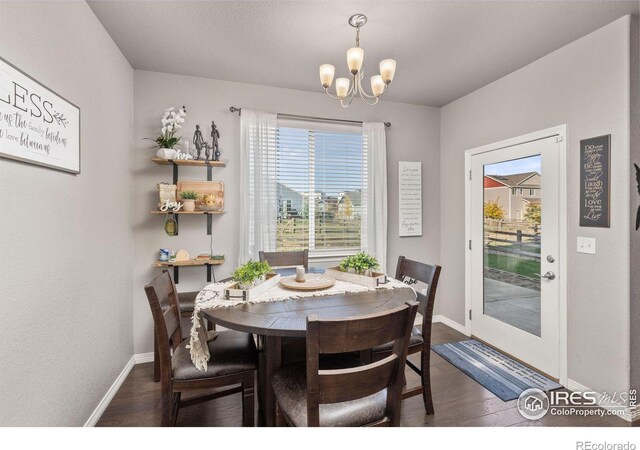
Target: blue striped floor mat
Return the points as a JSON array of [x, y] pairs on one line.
[[500, 374]]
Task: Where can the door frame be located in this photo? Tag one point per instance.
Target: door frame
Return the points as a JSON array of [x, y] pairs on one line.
[[560, 132]]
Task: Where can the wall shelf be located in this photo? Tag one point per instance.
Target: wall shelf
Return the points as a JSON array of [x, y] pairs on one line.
[[209, 263], [188, 162], [188, 212]]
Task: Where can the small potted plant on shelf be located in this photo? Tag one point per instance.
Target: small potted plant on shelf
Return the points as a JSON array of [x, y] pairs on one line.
[[171, 122], [188, 199], [359, 269], [251, 279]]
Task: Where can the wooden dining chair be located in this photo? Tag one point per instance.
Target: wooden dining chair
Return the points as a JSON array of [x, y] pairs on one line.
[[186, 304], [232, 365], [337, 389], [286, 259], [420, 340]]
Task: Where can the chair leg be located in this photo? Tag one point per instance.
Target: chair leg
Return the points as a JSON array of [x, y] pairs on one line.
[[248, 399], [156, 359], [426, 381], [166, 407], [280, 420], [174, 410]]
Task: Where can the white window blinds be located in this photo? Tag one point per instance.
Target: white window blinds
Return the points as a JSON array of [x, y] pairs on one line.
[[321, 174]]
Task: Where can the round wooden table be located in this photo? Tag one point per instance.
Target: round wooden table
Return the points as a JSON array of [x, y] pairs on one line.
[[273, 321]]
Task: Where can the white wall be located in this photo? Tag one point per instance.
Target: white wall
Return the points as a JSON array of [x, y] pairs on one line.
[[66, 258], [586, 86], [413, 136]]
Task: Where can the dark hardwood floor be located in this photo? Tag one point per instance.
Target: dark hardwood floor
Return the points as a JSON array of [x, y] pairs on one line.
[[458, 401]]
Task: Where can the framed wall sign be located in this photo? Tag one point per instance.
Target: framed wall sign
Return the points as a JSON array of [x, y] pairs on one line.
[[410, 189], [37, 125], [595, 181]]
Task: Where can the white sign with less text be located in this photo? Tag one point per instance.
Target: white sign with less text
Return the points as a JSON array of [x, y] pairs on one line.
[[37, 125], [410, 211]]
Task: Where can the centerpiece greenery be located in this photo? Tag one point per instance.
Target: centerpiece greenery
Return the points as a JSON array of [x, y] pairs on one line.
[[360, 263], [248, 274]]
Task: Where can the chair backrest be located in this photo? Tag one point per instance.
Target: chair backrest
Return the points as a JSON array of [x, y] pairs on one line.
[[286, 259], [328, 336], [428, 275], [163, 300]]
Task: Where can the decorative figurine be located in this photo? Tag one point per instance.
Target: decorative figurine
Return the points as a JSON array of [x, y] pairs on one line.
[[215, 134], [198, 141]]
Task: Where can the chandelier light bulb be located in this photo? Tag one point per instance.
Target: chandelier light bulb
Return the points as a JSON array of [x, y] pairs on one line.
[[387, 70], [355, 57], [327, 71], [342, 87], [377, 85]]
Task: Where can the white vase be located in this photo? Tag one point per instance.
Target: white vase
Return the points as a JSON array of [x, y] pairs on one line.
[[188, 205], [166, 153]]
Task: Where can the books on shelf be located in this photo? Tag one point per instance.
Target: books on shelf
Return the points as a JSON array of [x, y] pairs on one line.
[[208, 256]]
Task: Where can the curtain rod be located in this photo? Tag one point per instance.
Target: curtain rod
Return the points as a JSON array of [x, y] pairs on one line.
[[234, 109]]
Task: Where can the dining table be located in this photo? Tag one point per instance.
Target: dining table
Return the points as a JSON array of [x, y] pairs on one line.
[[273, 322]]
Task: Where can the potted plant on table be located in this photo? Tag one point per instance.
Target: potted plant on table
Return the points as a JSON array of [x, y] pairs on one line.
[[359, 269], [360, 263], [251, 274], [171, 122], [188, 199]]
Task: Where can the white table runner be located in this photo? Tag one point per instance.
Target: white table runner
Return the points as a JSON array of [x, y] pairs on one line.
[[212, 296]]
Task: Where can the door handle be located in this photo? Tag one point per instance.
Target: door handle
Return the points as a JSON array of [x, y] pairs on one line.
[[549, 275]]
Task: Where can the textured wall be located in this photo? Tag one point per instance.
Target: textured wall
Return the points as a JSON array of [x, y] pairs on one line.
[[584, 85], [413, 136], [66, 241]]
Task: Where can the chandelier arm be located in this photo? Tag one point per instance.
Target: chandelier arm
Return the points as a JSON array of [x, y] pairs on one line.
[[369, 103], [346, 105], [326, 91]]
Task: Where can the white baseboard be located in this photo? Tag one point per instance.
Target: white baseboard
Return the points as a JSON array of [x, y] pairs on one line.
[[450, 323], [140, 358], [111, 392], [631, 414]]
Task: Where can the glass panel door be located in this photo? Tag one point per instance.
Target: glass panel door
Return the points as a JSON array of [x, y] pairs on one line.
[[514, 238], [512, 241]]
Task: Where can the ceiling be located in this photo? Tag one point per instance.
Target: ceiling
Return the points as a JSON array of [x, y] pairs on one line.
[[444, 49]]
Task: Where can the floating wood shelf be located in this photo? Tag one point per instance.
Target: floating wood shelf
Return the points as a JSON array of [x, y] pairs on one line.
[[191, 262], [189, 162], [209, 263], [187, 212]]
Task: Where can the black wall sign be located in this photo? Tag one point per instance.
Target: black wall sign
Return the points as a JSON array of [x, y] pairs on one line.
[[595, 181]]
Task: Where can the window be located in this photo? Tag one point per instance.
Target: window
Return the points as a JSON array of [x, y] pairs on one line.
[[532, 192], [513, 191], [321, 174]]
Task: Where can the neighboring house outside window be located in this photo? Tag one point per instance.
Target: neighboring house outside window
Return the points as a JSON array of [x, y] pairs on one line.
[[514, 192]]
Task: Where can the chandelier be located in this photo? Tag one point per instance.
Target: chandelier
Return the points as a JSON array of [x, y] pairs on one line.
[[347, 89]]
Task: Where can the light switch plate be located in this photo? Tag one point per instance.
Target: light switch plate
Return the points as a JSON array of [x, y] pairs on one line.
[[587, 245]]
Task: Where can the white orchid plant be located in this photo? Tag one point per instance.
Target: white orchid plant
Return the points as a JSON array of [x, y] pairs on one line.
[[171, 122]]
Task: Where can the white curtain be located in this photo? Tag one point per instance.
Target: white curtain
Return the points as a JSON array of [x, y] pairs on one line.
[[258, 201], [374, 229]]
